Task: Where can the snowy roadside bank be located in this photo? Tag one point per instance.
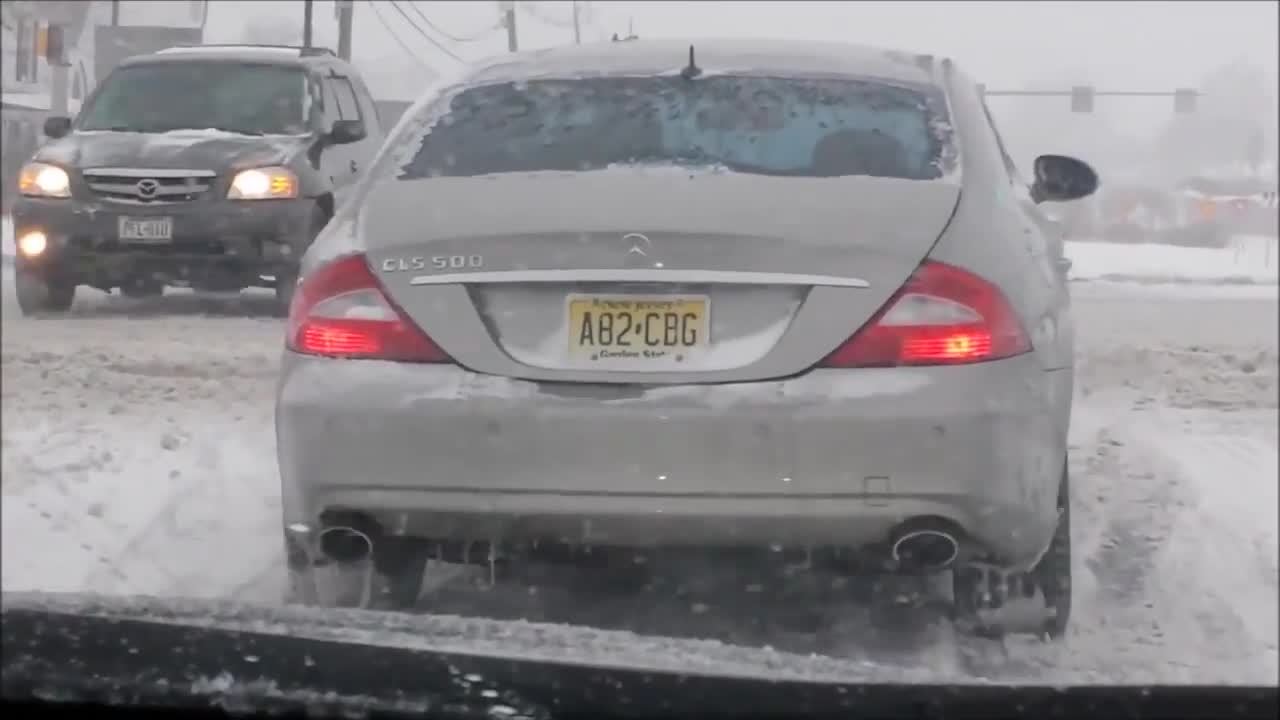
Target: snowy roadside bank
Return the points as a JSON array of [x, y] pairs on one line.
[[1248, 260]]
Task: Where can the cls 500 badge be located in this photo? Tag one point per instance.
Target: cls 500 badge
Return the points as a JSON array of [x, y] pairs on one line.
[[435, 262]]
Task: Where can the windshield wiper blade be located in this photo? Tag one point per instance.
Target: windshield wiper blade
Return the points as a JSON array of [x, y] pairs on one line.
[[199, 128], [239, 131]]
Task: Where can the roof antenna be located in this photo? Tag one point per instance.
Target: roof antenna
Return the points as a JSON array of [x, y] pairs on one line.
[[692, 70]]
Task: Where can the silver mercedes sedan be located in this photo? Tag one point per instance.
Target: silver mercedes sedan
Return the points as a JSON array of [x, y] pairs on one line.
[[710, 295]]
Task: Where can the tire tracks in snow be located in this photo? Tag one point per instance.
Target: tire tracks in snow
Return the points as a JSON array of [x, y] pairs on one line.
[[1230, 526], [198, 544], [1136, 507], [1146, 588], [53, 512], [144, 469]]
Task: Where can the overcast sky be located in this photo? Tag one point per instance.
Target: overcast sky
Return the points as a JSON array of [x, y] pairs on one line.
[[1114, 45], [1125, 43]]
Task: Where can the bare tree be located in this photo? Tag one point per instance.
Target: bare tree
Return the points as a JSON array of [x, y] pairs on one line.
[[1230, 126]]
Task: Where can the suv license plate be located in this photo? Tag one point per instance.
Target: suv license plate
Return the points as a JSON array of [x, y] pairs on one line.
[[158, 229]]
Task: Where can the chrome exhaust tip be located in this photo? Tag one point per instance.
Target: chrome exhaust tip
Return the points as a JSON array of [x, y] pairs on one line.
[[345, 544], [925, 550]]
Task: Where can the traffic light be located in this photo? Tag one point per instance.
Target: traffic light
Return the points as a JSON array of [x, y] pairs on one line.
[[1184, 101], [1082, 99]]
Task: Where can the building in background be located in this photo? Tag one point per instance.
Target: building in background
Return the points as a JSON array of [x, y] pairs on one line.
[[135, 27], [26, 77], [96, 36], [191, 14]]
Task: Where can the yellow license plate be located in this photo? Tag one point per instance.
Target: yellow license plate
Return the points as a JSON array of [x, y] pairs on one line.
[[661, 328]]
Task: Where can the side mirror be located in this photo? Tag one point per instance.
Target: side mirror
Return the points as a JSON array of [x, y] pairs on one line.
[[57, 126], [346, 131], [1060, 178]]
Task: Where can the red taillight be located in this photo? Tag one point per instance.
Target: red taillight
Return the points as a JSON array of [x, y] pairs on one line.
[[341, 311], [942, 316]]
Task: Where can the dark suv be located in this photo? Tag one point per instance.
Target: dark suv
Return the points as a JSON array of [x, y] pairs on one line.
[[210, 167]]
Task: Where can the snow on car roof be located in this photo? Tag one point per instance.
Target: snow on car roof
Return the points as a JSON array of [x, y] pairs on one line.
[[658, 57], [234, 53]]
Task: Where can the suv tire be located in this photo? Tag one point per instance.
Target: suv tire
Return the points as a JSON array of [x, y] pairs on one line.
[[39, 296]]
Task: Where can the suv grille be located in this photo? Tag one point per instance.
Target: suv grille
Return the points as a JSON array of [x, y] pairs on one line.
[[148, 186]]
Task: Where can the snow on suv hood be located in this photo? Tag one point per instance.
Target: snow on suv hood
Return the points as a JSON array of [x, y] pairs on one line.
[[178, 149]]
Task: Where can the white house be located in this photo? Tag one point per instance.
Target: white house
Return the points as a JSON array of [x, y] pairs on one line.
[[26, 77]]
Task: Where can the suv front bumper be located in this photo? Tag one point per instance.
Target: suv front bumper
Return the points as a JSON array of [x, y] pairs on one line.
[[213, 243]]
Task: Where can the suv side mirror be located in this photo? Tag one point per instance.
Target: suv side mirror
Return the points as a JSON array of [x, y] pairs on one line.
[[346, 131], [57, 126], [1060, 178]]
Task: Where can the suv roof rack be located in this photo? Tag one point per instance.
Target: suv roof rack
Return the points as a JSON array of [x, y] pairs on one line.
[[312, 51]]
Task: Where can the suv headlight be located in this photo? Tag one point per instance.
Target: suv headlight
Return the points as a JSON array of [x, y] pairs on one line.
[[44, 180], [269, 183]]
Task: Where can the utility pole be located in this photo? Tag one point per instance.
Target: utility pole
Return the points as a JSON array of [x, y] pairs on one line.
[[115, 13], [55, 53], [58, 90], [509, 8], [577, 27], [346, 9], [306, 23]]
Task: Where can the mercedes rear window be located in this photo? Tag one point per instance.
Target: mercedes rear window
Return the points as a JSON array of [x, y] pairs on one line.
[[798, 127]]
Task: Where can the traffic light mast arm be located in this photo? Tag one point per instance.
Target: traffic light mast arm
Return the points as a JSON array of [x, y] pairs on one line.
[[1184, 99]]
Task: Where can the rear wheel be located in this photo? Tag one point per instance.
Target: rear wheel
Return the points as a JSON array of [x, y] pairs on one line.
[[38, 295], [1053, 573], [982, 593], [286, 283]]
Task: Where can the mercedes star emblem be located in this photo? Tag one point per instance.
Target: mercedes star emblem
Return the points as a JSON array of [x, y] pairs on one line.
[[640, 244]]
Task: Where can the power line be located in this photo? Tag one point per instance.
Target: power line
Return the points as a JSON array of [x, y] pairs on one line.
[[534, 10], [469, 38], [590, 19], [386, 26], [422, 32], [586, 18]]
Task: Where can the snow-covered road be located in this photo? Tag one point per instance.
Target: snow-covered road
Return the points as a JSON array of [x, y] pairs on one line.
[[138, 457]]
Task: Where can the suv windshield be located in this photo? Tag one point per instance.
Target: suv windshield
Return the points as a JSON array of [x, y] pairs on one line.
[[236, 97], [761, 125]]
